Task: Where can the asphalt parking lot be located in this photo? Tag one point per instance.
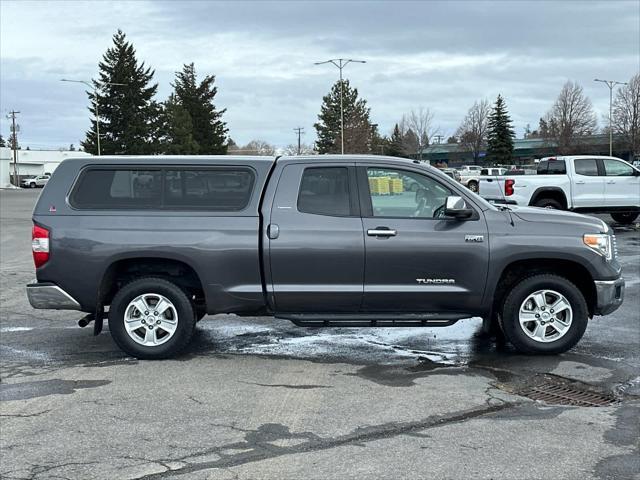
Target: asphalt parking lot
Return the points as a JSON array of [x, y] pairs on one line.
[[260, 398]]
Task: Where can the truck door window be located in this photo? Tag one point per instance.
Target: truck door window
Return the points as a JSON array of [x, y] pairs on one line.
[[404, 194], [325, 191], [587, 166], [616, 168]]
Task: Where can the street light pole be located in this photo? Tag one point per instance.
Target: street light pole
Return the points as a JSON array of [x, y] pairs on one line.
[[341, 63], [94, 87], [611, 84]]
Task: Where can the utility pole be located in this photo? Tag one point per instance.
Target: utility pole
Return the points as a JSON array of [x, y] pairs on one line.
[[439, 138], [94, 86], [341, 63], [299, 131], [14, 146], [611, 84]]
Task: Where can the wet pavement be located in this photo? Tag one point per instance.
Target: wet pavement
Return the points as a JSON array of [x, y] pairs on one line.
[[261, 398]]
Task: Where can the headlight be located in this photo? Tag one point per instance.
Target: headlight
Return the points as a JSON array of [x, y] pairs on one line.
[[600, 242]]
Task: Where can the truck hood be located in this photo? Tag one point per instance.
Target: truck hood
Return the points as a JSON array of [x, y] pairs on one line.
[[547, 215]]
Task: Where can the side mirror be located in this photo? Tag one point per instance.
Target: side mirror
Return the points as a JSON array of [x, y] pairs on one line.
[[456, 207]]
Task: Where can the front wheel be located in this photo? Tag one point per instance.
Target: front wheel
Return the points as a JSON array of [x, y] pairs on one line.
[[626, 218], [473, 186], [151, 318], [544, 314], [32, 185]]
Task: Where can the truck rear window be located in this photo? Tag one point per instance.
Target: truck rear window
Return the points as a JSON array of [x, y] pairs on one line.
[[552, 167], [217, 189]]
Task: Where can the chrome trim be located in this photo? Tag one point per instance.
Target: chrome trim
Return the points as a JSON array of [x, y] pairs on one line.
[[50, 296], [607, 298], [381, 233]]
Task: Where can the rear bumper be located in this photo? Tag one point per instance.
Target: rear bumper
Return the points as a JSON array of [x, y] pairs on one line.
[[610, 294], [50, 296]]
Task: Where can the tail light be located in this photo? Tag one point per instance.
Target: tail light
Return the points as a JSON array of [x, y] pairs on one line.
[[40, 245], [508, 186]]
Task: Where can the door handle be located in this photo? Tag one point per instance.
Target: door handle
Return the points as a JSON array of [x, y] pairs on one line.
[[611, 181], [273, 231], [381, 232], [580, 182]]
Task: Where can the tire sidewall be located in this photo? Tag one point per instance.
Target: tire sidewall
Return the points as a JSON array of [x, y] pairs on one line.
[[511, 308], [184, 308], [549, 203], [624, 218]]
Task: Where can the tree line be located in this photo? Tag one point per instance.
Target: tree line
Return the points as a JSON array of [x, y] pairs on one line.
[[133, 122]]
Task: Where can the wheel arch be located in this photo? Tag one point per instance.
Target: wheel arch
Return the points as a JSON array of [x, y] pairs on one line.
[[517, 270], [555, 193], [124, 269]]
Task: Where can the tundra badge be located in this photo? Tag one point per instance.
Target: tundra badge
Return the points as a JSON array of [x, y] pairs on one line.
[[474, 238]]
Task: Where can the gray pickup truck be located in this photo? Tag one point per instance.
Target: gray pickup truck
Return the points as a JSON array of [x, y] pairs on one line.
[[159, 242]]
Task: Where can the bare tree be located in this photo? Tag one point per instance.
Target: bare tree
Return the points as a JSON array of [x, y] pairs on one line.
[[472, 132], [305, 149], [570, 118], [255, 147], [417, 130], [626, 114]]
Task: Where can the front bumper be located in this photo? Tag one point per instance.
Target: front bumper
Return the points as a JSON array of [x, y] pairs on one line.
[[50, 296], [610, 294]]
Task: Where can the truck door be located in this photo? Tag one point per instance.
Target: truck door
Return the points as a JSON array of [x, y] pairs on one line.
[[622, 184], [416, 260], [588, 185], [316, 246]]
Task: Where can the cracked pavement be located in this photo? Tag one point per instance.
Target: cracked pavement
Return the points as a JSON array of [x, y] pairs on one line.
[[260, 398]]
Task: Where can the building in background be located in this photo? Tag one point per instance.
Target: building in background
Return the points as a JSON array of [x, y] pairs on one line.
[[32, 162], [525, 151]]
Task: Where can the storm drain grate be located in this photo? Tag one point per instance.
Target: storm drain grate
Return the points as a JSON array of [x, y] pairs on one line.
[[555, 394]]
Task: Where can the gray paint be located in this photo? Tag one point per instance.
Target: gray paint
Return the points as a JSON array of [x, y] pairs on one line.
[[317, 263]]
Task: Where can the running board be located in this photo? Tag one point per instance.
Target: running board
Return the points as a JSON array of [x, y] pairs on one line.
[[373, 319]]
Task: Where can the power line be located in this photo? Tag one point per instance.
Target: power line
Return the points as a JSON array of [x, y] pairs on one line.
[[299, 131]]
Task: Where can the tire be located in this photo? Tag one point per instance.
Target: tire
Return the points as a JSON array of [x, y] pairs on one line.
[[32, 185], [473, 186], [548, 203], [573, 326], [625, 218], [179, 318]]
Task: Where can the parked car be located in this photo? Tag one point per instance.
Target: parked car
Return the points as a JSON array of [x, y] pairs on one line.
[[319, 240], [581, 183], [33, 182]]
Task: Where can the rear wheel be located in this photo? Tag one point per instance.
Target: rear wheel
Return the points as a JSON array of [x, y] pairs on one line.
[[151, 318], [625, 218], [544, 314], [473, 186], [548, 203]]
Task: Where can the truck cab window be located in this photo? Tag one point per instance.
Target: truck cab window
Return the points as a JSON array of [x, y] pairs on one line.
[[404, 194], [325, 191], [587, 166], [615, 168]]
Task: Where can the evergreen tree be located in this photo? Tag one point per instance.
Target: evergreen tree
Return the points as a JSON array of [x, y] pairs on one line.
[[2, 142], [395, 147], [177, 129], [358, 130], [128, 113], [500, 136], [72, 148], [209, 130]]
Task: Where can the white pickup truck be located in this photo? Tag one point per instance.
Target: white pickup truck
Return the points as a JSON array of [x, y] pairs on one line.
[[470, 175], [582, 183]]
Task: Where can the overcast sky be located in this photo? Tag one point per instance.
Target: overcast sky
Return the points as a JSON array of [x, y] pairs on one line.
[[440, 55]]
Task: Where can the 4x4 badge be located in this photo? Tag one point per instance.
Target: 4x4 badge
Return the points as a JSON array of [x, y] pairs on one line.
[[474, 238]]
